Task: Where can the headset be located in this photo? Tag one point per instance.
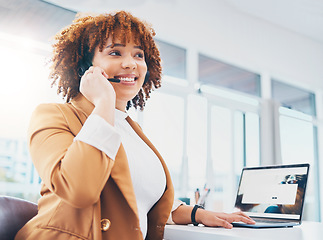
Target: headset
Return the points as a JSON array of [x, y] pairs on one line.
[[85, 64]]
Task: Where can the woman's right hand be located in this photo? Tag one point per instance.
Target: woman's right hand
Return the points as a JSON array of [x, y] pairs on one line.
[[95, 87], [221, 219], [99, 91]]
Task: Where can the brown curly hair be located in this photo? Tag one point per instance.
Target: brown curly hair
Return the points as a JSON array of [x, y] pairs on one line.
[[79, 40]]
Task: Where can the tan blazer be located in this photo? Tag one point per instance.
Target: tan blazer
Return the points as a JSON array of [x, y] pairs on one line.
[[81, 185]]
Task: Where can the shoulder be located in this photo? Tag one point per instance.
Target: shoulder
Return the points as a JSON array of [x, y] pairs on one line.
[[52, 115], [55, 110], [46, 114], [46, 111]]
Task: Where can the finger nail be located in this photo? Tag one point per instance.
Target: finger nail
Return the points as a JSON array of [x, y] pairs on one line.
[[228, 225]]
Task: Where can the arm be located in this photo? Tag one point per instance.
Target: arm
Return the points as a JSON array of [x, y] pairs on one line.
[[74, 170], [182, 215], [95, 87]]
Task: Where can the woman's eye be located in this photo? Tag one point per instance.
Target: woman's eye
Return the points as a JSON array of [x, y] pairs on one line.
[[140, 55], [115, 53]]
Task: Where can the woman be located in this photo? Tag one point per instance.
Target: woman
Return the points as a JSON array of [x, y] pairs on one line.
[[101, 177]]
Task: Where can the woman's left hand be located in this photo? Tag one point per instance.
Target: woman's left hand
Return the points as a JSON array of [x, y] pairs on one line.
[[213, 219]]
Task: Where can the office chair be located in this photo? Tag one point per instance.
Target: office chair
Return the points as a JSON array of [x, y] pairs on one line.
[[14, 213]]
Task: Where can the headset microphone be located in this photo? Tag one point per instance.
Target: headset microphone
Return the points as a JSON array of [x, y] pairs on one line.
[[114, 80]]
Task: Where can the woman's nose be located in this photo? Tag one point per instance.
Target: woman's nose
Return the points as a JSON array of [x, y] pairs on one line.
[[129, 63]]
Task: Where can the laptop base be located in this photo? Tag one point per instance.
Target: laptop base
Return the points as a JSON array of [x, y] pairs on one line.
[[264, 225]]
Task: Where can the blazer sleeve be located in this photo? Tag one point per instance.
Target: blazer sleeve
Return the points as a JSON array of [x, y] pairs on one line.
[[73, 170]]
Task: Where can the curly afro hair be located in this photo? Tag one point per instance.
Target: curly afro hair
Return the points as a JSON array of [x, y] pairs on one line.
[[79, 40]]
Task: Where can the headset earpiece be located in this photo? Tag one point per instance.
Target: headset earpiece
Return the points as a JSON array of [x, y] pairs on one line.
[[83, 66], [80, 71]]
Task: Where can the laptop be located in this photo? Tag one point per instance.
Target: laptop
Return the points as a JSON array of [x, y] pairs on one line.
[[273, 196]]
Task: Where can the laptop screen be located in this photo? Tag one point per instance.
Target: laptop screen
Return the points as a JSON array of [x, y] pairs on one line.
[[273, 191]]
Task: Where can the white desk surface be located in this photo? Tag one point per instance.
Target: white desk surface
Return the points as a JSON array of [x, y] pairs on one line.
[[307, 231]]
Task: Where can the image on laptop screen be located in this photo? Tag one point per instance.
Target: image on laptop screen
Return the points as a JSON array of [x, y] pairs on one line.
[[273, 192]]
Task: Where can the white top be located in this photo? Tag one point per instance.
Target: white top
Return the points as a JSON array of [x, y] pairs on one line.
[[147, 174]]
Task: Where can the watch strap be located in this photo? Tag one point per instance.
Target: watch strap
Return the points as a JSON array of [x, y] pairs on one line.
[[193, 213]]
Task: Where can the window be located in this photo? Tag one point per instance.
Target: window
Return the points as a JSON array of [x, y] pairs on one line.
[[19, 95], [163, 124], [221, 157], [298, 137], [173, 59], [252, 139], [221, 74], [234, 144], [294, 98], [196, 141], [298, 141]]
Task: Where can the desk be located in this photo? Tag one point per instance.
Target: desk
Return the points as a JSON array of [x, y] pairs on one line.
[[307, 231]]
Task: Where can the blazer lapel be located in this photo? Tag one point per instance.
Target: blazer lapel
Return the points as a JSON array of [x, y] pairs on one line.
[[120, 173]]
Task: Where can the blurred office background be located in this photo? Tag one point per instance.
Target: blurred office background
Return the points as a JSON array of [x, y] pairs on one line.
[[242, 86]]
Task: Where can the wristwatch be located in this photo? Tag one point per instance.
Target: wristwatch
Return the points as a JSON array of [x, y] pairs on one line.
[[193, 214]]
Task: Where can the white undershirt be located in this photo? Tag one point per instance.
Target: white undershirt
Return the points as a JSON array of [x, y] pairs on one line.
[[147, 174]]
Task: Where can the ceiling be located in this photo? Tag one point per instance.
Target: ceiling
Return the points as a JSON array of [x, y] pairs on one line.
[[301, 16], [304, 17]]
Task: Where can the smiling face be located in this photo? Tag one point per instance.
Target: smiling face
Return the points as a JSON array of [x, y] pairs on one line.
[[124, 61]]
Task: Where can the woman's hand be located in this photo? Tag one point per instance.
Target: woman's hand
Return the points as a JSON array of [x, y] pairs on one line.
[[95, 87], [99, 91], [182, 215], [213, 219]]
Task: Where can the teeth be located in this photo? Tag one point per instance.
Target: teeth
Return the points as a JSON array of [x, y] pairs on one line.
[[126, 79]]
